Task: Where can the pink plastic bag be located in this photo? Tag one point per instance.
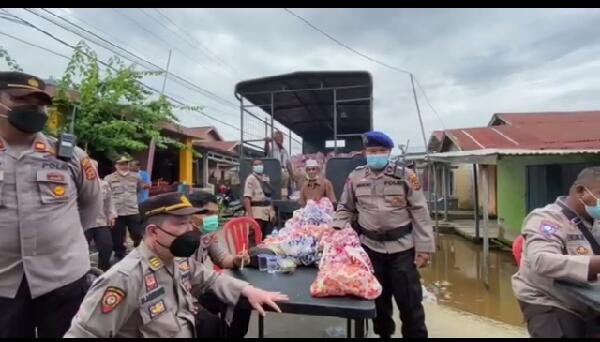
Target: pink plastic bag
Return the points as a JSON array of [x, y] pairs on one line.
[[345, 268]]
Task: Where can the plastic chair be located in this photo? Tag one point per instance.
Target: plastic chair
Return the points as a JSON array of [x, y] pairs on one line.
[[237, 229], [517, 249]]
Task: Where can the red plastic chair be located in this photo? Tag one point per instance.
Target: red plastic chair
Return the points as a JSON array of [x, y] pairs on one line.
[[517, 249], [237, 230]]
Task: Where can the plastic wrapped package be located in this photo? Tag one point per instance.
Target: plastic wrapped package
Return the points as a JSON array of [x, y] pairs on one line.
[[345, 268]]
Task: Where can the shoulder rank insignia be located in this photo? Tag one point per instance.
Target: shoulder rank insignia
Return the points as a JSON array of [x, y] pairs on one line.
[[112, 297], [155, 263], [157, 308], [184, 266]]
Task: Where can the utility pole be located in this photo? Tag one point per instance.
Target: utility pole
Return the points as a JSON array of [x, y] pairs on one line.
[[152, 147]]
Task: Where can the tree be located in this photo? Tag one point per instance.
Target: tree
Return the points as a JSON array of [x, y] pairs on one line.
[[114, 112], [12, 64]]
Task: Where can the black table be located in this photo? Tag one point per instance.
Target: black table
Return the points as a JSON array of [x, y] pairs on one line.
[[297, 286]]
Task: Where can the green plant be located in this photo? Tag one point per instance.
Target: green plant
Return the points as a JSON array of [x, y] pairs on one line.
[[12, 64], [114, 112]]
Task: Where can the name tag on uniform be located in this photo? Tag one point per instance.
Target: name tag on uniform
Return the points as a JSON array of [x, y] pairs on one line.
[[360, 185], [153, 295]]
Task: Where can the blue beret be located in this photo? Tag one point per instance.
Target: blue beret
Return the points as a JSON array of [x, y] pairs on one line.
[[376, 138]]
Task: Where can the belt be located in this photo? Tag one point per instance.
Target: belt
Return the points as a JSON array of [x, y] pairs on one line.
[[388, 235], [260, 203]]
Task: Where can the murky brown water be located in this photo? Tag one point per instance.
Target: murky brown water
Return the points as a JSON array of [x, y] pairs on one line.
[[455, 277]]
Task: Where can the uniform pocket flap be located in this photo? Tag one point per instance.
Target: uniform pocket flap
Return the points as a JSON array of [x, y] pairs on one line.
[[52, 176], [363, 191]]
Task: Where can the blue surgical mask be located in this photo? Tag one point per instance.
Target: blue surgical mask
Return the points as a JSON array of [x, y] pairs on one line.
[[257, 168], [210, 223], [377, 161], [593, 211]]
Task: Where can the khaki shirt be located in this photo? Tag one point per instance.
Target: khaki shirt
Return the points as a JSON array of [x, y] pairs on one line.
[[382, 201], [211, 250], [317, 189], [253, 189], [142, 297], [45, 205], [548, 235], [108, 209], [124, 192]]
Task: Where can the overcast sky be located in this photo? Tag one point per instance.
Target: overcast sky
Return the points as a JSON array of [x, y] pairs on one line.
[[471, 62]]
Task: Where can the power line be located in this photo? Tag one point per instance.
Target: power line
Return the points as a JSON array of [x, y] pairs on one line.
[[429, 103], [21, 20], [205, 92], [34, 45], [311, 25], [196, 42]]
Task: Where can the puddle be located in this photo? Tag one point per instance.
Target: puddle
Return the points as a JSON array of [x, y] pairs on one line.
[[455, 278]]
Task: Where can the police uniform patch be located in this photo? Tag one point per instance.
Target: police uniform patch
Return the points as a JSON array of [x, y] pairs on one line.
[[40, 146], [548, 228], [153, 295], [184, 266], [55, 177], [396, 201], [150, 282], [582, 250], [112, 297], [88, 169], [155, 262], [58, 191], [414, 181], [157, 308]]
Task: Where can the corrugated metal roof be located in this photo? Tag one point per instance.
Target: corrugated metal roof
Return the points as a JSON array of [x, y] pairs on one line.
[[490, 155], [545, 117], [528, 131]]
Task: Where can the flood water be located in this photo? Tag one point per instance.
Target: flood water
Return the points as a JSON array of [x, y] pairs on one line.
[[455, 277]]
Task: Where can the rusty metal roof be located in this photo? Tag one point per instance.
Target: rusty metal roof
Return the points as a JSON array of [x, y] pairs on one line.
[[536, 131]]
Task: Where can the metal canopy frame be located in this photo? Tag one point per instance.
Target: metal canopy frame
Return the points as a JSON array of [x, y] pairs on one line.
[[300, 102]]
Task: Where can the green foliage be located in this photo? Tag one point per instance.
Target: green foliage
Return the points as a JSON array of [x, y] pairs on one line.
[[114, 113], [12, 64]]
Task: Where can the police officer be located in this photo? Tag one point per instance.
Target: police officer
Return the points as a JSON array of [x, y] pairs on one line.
[[212, 253], [257, 200], [100, 233], [559, 245], [125, 185], [386, 206], [149, 292], [45, 204]]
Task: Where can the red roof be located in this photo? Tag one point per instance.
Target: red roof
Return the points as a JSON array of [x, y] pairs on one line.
[[220, 146], [556, 130]]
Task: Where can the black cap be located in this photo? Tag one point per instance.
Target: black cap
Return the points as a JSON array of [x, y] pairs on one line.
[[172, 203], [21, 84]]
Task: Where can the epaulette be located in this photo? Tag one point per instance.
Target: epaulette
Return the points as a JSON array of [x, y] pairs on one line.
[[128, 264]]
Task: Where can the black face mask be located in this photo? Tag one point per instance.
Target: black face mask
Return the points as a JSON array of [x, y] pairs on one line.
[[185, 244], [27, 118]]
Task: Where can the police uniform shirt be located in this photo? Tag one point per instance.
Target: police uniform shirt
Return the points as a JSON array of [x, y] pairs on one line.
[[45, 204], [253, 189], [108, 208], [382, 201], [554, 248], [142, 297], [210, 250], [124, 192]]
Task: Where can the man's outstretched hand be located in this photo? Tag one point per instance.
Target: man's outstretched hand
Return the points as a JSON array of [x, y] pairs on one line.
[[257, 298]]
